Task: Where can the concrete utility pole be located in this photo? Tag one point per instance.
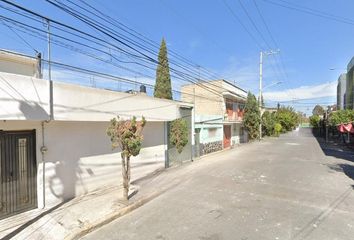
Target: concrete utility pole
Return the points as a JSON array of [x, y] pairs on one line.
[[271, 52], [50, 75]]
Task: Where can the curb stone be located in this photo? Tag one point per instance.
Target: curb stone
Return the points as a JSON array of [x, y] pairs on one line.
[[110, 217], [115, 215]]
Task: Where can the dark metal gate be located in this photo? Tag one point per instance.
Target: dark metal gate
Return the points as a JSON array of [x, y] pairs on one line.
[[18, 171]]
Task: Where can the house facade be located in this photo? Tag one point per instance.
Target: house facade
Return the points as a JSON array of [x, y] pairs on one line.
[[46, 159], [219, 108]]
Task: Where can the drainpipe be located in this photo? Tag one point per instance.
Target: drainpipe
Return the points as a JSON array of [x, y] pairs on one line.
[[43, 151], [39, 66]]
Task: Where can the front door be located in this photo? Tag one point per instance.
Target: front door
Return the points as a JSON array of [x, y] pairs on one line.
[[227, 136], [18, 171]]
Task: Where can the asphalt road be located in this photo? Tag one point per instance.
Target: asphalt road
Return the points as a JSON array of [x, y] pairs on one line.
[[285, 188]]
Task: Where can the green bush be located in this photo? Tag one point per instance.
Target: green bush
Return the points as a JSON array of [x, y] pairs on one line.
[[288, 118], [315, 121], [179, 134], [277, 129], [268, 122]]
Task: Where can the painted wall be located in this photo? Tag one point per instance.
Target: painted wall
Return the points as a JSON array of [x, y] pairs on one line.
[[23, 97], [80, 158], [235, 133], [206, 138], [17, 64]]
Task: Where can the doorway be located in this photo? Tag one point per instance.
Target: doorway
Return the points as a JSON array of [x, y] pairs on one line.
[[18, 172]]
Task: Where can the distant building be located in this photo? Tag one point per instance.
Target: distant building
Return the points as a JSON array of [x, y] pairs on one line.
[[219, 109], [350, 85], [341, 87]]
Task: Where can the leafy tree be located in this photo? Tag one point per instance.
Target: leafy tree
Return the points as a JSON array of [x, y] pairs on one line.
[[179, 134], [127, 135], [288, 118], [163, 79], [318, 110], [341, 116], [252, 116]]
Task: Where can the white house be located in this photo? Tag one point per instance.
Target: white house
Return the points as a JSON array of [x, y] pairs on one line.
[[44, 159]]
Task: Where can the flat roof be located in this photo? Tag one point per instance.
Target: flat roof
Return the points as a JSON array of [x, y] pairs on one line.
[[216, 80]]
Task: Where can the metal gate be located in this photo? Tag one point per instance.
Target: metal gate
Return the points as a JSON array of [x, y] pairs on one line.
[[18, 171]]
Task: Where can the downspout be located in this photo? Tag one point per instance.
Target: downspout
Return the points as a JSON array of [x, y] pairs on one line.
[[43, 151], [39, 66]]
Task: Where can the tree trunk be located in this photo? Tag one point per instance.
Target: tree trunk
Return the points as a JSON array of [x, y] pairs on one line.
[[126, 178]]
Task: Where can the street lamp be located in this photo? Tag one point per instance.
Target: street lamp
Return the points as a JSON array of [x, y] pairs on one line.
[[272, 84]]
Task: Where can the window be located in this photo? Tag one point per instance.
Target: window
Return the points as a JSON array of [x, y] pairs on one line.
[[212, 132]]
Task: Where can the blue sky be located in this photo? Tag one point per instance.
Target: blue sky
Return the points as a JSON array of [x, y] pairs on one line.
[[206, 32]]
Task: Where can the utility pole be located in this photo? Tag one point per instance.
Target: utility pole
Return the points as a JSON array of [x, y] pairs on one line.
[[50, 75], [271, 52], [260, 91]]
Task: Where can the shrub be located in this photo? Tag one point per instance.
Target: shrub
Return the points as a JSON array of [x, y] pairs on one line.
[[179, 134], [268, 122], [288, 118], [315, 121], [277, 129]]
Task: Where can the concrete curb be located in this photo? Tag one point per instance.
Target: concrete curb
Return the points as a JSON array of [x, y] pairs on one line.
[[110, 217]]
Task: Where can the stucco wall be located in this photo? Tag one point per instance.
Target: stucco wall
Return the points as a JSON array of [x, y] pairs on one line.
[[235, 133], [80, 158], [207, 98], [17, 64], [204, 133], [23, 97]]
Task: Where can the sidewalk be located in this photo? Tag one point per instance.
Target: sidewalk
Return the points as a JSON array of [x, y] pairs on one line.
[[75, 218]]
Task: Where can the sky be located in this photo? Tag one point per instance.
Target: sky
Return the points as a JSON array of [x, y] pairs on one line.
[[207, 33]]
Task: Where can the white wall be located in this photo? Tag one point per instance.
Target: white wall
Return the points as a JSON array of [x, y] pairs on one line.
[[235, 133], [17, 64], [23, 97], [80, 158]]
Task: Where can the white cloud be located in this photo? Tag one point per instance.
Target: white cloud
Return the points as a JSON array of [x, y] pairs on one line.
[[303, 92]]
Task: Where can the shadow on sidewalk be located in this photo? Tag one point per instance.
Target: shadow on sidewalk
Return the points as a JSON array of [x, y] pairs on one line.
[[335, 147], [347, 169], [32, 221]]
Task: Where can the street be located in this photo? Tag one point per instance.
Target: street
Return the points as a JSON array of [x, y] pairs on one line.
[[279, 188]]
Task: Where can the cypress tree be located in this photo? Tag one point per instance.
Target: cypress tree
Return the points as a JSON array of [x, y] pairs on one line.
[[252, 117], [163, 80]]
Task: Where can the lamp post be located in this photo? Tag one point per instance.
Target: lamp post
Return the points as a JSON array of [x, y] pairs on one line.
[[267, 53], [273, 84]]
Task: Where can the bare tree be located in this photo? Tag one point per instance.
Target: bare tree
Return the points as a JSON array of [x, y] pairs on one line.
[[127, 135]]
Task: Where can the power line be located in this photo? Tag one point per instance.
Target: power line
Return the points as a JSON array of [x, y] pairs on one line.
[[238, 20], [254, 24], [107, 31], [20, 37], [148, 40], [311, 11], [282, 64], [183, 76]]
